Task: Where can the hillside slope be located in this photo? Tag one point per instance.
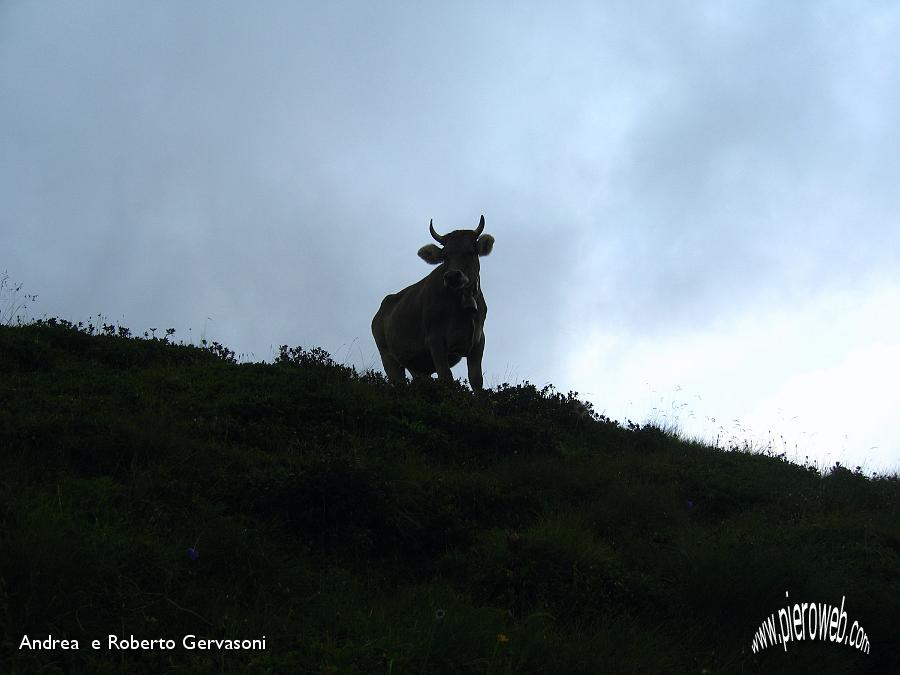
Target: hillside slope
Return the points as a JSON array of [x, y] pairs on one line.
[[158, 491]]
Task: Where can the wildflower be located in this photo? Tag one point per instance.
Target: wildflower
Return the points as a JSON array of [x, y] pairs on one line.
[[193, 553], [502, 638]]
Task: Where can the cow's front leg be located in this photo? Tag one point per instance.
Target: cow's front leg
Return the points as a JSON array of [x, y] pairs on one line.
[[473, 361], [438, 349]]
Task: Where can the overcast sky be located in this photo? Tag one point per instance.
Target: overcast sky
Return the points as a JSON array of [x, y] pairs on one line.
[[695, 204]]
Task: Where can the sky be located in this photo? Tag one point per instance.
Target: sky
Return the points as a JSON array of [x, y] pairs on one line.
[[694, 203]]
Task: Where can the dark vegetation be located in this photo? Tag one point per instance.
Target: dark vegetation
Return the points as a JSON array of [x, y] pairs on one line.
[[158, 490]]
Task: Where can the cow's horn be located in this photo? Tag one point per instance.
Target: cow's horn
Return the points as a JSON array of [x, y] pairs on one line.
[[480, 227], [438, 238]]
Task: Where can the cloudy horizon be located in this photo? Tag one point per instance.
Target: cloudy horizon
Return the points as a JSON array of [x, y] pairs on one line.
[[694, 204]]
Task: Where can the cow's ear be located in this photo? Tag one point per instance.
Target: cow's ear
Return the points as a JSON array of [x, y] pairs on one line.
[[431, 254], [484, 244]]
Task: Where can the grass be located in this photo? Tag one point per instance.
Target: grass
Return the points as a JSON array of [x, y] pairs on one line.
[[13, 302], [160, 490]]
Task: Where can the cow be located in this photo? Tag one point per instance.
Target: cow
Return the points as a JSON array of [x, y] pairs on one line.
[[428, 327]]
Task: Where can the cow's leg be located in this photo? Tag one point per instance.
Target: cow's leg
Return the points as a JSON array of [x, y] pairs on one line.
[[473, 362], [439, 355], [394, 369]]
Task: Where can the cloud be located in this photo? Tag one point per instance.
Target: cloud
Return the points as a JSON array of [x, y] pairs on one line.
[[816, 377], [274, 171], [744, 175]]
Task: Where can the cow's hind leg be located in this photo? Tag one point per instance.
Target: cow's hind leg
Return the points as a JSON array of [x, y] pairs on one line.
[[395, 371], [392, 367]]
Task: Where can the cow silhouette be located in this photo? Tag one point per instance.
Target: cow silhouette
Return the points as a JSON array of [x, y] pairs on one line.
[[428, 327]]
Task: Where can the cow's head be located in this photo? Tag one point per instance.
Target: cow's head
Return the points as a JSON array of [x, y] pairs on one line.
[[459, 257]]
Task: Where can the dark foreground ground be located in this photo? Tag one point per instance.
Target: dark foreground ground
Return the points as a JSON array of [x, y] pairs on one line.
[[158, 491]]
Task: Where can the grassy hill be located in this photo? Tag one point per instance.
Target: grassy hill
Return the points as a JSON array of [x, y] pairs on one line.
[[156, 490]]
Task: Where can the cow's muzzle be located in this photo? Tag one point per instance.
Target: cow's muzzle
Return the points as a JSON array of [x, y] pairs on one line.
[[456, 279]]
